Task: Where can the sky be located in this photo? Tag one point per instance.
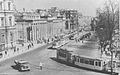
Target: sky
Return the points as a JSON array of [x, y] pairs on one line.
[[86, 7]]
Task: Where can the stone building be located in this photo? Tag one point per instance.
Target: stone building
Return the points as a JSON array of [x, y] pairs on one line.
[[7, 29], [23, 31], [72, 19], [85, 22], [41, 27]]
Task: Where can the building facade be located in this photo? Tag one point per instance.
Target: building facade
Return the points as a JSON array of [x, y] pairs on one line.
[[7, 29], [38, 27], [72, 19], [23, 31], [85, 22]]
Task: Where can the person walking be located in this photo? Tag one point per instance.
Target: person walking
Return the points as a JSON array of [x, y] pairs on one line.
[[32, 44], [40, 65]]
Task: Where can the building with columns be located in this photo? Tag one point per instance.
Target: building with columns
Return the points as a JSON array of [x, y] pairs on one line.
[[41, 27], [23, 31], [7, 28]]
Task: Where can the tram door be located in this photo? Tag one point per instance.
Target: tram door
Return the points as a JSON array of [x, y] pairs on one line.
[[97, 64]]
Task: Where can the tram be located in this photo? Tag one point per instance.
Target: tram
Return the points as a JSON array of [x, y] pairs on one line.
[[87, 62], [83, 61]]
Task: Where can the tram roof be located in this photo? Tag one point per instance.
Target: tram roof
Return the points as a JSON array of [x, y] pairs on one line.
[[88, 57], [65, 50]]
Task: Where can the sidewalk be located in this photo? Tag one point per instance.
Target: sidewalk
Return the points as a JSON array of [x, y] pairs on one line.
[[22, 49]]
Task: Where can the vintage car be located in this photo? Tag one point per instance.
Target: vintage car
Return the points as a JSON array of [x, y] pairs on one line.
[[22, 65]]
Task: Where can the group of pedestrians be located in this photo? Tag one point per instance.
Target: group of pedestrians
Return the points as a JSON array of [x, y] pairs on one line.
[[30, 45], [77, 40]]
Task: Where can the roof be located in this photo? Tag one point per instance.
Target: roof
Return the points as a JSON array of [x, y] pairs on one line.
[[22, 61], [88, 57], [64, 50]]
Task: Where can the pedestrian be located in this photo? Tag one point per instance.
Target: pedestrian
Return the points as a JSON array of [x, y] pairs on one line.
[[17, 49], [6, 52], [40, 65], [82, 41], [22, 44], [104, 66], [32, 44], [14, 49], [28, 46]]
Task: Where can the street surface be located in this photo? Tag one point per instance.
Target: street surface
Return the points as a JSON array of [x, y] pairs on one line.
[[50, 67], [89, 47]]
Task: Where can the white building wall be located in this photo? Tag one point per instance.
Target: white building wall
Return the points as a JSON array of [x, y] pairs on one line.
[[6, 12]]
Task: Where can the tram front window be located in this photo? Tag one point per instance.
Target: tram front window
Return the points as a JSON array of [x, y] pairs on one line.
[[100, 63], [95, 63]]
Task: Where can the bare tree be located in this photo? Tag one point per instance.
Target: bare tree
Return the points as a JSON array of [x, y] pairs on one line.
[[106, 26]]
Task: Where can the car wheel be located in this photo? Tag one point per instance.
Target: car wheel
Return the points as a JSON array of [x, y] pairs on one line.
[[28, 69], [20, 69]]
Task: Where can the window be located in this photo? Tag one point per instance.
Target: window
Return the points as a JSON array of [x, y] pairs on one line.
[[99, 63], [91, 62], [62, 54], [86, 61], [77, 59], [0, 5], [74, 58], [10, 21], [11, 34], [82, 60], [95, 63], [3, 38], [2, 21], [9, 6]]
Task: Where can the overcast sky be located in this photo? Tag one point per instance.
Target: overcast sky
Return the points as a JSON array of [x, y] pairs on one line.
[[87, 7]]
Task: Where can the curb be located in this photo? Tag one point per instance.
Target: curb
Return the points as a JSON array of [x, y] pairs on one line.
[[8, 56]]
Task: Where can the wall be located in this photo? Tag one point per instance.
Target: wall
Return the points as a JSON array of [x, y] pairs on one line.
[[8, 20]]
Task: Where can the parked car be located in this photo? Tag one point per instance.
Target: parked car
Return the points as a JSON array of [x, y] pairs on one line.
[[22, 65]]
